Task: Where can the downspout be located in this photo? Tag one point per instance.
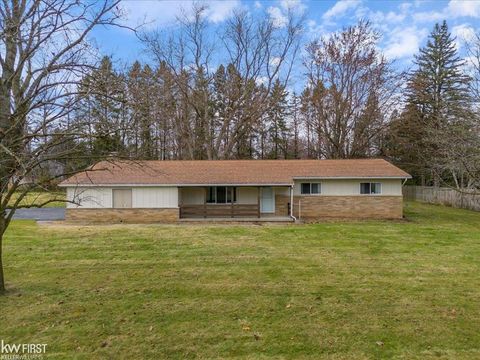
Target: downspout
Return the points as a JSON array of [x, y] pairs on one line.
[[291, 204]]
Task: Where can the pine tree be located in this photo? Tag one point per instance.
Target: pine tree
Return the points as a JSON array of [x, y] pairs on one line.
[[295, 115], [103, 95], [437, 99], [439, 87], [278, 110], [141, 91]]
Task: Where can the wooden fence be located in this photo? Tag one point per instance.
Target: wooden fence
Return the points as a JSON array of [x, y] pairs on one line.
[[443, 196]]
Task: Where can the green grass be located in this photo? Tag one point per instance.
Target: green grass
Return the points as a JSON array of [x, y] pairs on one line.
[[337, 290], [36, 197]]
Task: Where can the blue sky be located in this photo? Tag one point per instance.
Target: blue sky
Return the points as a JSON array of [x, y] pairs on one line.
[[404, 25]]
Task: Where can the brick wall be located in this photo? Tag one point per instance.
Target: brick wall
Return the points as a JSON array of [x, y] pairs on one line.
[[318, 207], [112, 216], [281, 205]]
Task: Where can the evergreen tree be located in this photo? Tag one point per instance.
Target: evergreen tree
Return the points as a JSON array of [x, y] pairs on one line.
[[103, 96], [438, 100], [278, 110], [141, 90], [438, 86]]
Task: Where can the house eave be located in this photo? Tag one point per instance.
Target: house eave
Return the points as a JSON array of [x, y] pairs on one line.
[[175, 185], [348, 177]]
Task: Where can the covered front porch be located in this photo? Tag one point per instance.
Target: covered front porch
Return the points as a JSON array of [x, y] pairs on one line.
[[242, 203]]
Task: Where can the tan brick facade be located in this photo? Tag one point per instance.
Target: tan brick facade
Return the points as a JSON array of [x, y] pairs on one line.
[[361, 207], [135, 216], [281, 205]]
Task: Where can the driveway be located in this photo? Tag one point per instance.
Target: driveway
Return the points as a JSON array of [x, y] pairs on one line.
[[42, 214]]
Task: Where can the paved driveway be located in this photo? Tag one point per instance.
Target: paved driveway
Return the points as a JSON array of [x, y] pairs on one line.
[[43, 214]]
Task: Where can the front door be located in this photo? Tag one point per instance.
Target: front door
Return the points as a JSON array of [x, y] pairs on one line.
[[267, 203]]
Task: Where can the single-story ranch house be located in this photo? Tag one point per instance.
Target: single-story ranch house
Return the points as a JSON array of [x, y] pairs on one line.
[[169, 191]]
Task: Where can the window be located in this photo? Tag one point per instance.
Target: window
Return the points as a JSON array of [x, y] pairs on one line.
[[370, 188], [221, 195], [311, 188], [122, 198]]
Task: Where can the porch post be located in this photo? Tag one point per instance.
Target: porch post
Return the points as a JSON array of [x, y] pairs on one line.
[[291, 200], [258, 201], [205, 202], [179, 201], [231, 194]]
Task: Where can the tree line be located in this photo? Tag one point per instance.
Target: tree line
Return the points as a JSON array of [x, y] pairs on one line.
[[354, 103]]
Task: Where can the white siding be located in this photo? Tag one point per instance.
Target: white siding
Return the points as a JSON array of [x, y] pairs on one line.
[[192, 195], [155, 197], [90, 197], [348, 187], [247, 195], [142, 197]]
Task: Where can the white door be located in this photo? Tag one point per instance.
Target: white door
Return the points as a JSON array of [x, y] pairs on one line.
[[267, 203]]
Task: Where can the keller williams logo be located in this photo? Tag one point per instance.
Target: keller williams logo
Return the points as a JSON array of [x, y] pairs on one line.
[[6, 348]]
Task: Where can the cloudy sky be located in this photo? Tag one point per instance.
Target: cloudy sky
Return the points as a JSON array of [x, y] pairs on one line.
[[404, 25]]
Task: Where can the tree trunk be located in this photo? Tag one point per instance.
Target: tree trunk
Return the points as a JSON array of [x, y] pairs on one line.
[[2, 278]]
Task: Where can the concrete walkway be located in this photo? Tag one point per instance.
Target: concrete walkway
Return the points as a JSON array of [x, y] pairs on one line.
[[267, 219]]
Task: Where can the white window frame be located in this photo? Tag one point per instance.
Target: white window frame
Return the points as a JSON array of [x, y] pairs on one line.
[[310, 188], [379, 184]]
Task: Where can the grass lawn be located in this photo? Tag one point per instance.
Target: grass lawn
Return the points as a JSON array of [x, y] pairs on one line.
[[338, 290], [40, 197]]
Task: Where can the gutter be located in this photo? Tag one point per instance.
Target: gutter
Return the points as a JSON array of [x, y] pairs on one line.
[[379, 177], [171, 185]]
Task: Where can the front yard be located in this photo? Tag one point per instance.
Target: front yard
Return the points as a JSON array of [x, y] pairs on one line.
[[342, 290], [36, 197]]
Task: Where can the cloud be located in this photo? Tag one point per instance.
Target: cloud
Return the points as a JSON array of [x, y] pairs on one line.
[[294, 5], [404, 42], [258, 5], [463, 8], [429, 16], [151, 14], [385, 19], [219, 11], [471, 64], [340, 8], [463, 34], [454, 9], [277, 16], [275, 61]]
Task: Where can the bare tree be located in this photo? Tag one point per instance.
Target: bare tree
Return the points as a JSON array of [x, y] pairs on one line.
[[258, 53], [352, 92], [43, 54]]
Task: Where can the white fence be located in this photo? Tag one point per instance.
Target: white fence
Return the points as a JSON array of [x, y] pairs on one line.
[[443, 196]]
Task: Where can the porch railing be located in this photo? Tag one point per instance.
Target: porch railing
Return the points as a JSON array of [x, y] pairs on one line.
[[219, 210]]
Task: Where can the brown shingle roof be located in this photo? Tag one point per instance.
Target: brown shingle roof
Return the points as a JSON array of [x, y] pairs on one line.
[[216, 172]]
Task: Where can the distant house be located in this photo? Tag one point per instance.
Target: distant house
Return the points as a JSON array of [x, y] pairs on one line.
[[169, 191]]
